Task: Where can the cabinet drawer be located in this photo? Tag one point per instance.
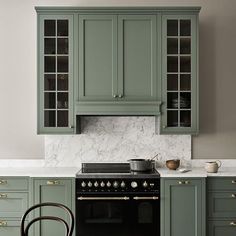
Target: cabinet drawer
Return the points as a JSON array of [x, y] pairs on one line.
[[224, 227], [222, 204], [7, 183], [221, 183], [13, 204], [9, 228]]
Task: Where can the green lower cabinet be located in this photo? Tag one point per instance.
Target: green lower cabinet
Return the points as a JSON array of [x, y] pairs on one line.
[[222, 228], [9, 228], [57, 191], [183, 207]]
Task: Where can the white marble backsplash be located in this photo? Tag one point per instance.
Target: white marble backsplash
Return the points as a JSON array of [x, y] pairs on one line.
[[115, 139]]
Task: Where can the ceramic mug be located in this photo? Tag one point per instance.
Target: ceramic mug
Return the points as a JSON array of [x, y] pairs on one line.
[[212, 166]]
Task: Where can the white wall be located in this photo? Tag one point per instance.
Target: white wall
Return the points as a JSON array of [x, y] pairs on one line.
[[18, 137]]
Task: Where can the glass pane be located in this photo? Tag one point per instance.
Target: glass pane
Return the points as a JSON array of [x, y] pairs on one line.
[[185, 82], [185, 27], [49, 118], [62, 28], [172, 82], [50, 28], [172, 27], [62, 100], [172, 46], [185, 64], [172, 64], [62, 64], [185, 46], [49, 46], [49, 100], [62, 46], [62, 82], [172, 100], [185, 100], [50, 82], [50, 64], [62, 119], [185, 118], [172, 118]]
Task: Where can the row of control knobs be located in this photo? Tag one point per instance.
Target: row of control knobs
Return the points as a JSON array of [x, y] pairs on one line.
[[115, 184]]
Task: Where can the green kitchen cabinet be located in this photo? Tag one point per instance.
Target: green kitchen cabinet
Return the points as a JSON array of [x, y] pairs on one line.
[[221, 209], [55, 74], [183, 207], [179, 73], [57, 191]]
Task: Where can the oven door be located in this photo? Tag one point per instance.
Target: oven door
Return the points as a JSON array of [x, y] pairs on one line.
[[117, 215]]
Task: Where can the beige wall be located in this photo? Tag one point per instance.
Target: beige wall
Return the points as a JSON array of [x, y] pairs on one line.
[[18, 137]]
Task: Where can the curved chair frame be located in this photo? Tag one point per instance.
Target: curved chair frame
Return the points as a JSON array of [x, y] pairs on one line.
[[68, 228]]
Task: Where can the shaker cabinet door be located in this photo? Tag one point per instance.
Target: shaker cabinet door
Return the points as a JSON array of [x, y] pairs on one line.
[[137, 73], [183, 204], [97, 57], [52, 190], [55, 74]]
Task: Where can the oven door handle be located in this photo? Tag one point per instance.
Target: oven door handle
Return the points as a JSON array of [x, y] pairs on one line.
[[103, 198], [146, 198]]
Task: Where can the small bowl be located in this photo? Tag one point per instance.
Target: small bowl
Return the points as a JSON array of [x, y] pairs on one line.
[[173, 164]]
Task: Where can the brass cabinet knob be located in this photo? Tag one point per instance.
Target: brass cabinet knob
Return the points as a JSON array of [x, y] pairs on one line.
[[164, 126], [53, 182], [2, 181], [3, 223], [184, 182], [115, 96], [120, 95], [233, 182], [71, 127], [232, 223], [233, 195], [3, 195]]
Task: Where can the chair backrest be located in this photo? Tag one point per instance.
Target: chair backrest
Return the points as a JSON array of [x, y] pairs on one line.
[[68, 228]]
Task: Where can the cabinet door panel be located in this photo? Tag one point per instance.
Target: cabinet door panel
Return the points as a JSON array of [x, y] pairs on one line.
[[61, 192], [182, 208], [137, 57], [98, 63], [219, 228]]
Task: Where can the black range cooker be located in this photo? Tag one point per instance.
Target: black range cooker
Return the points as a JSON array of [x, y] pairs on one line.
[[113, 201]]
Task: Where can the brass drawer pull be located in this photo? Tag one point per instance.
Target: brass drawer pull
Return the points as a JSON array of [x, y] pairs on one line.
[[3, 195], [184, 182], [2, 181], [232, 223], [3, 223], [53, 182], [233, 195], [233, 182]]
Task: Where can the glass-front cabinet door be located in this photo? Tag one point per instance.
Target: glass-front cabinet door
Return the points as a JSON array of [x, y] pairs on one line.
[[179, 74], [55, 74]]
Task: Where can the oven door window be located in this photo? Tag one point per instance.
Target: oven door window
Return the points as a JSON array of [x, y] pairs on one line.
[[118, 218]]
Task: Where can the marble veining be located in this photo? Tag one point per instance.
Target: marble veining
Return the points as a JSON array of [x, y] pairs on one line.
[[115, 139]]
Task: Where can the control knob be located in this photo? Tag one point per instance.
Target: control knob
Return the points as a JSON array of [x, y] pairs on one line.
[[96, 184], [122, 184], [134, 184], [102, 184], [90, 184], [108, 184], [115, 184], [83, 184], [145, 184]]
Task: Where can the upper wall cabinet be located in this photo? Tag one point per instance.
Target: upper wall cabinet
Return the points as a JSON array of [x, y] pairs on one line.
[[55, 74], [117, 65], [117, 61], [179, 74]]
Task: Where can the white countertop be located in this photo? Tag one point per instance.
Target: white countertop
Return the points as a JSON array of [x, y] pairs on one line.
[[61, 172], [40, 171]]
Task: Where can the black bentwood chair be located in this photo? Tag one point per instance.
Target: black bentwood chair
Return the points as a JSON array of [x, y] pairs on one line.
[[68, 228]]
